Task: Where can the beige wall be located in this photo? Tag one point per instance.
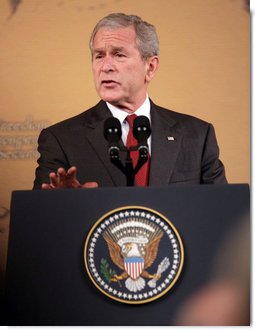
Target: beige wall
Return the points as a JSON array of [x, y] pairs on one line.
[[45, 75]]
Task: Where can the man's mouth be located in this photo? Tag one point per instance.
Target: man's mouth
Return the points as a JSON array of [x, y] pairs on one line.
[[108, 82]]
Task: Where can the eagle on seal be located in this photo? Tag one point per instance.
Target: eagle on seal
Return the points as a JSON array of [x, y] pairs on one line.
[[133, 258]]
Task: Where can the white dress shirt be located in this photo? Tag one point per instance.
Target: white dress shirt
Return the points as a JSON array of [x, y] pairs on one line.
[[121, 115]]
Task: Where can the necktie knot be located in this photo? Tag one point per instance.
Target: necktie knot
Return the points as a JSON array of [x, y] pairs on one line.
[[130, 119]]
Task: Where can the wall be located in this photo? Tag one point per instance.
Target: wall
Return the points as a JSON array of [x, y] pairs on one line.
[[46, 75]]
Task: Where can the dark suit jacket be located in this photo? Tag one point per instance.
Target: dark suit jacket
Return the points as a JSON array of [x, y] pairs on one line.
[[191, 158]]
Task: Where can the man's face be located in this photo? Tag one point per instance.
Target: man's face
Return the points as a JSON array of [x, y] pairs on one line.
[[120, 74]]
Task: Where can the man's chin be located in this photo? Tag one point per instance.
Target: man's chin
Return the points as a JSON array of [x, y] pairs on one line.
[[111, 100], [115, 100]]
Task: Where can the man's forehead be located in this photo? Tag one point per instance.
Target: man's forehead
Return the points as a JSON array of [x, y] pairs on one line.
[[115, 35]]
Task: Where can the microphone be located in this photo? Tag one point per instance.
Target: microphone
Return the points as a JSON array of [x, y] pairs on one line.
[[142, 131], [112, 133]]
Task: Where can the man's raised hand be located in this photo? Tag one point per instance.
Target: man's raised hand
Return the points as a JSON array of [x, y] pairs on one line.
[[66, 179]]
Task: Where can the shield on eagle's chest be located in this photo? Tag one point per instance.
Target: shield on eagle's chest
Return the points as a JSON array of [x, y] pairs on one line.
[[134, 266]]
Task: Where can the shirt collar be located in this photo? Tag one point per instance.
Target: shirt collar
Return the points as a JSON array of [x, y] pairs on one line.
[[120, 114]]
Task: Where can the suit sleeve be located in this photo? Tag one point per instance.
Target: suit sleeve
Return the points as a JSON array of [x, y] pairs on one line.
[[51, 157], [212, 169]]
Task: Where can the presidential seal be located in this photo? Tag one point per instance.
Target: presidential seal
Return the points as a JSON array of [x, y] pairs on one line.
[[133, 254]]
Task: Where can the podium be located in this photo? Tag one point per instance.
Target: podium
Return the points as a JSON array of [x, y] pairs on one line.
[[47, 282]]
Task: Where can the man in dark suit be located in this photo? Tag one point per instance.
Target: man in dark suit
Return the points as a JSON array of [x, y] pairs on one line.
[[74, 153]]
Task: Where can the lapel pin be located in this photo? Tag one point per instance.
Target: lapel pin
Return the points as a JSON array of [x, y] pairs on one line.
[[170, 138]]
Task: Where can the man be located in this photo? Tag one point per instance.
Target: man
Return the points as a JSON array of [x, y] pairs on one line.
[[125, 58]]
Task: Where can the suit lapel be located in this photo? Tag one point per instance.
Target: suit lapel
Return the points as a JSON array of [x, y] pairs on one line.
[[166, 142], [100, 145]]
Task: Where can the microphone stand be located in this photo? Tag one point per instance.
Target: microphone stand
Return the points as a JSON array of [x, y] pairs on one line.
[[128, 169]]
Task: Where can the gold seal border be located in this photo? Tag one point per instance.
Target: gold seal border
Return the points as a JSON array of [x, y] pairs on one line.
[[146, 209]]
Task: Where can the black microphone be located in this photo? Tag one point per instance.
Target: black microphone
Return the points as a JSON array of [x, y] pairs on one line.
[[142, 131], [112, 133]]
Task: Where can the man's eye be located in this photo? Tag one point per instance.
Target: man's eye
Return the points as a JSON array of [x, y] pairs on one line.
[[120, 55], [98, 56]]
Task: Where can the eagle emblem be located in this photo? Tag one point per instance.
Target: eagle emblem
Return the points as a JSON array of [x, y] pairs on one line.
[[133, 247], [133, 254]]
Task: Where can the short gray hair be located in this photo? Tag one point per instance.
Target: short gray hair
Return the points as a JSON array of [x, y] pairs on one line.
[[146, 36]]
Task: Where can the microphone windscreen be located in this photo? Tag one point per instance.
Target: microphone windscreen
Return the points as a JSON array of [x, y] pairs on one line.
[[112, 126], [141, 127]]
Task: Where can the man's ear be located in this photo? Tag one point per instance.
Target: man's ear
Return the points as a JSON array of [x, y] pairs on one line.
[[152, 65]]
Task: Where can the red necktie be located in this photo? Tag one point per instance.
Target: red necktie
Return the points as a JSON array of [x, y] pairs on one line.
[[142, 176]]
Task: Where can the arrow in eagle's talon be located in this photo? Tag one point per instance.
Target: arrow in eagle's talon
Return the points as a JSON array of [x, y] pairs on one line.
[[116, 279]]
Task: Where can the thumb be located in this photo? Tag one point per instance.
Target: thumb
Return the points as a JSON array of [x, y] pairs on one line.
[[90, 185]]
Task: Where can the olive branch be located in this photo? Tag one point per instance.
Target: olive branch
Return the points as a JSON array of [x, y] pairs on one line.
[[106, 270]]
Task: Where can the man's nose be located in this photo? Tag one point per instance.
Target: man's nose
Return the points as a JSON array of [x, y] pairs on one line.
[[107, 64]]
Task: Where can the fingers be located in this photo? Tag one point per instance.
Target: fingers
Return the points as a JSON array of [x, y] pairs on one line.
[[90, 185], [66, 179], [63, 180], [46, 187], [71, 174], [54, 179], [72, 171], [61, 173]]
